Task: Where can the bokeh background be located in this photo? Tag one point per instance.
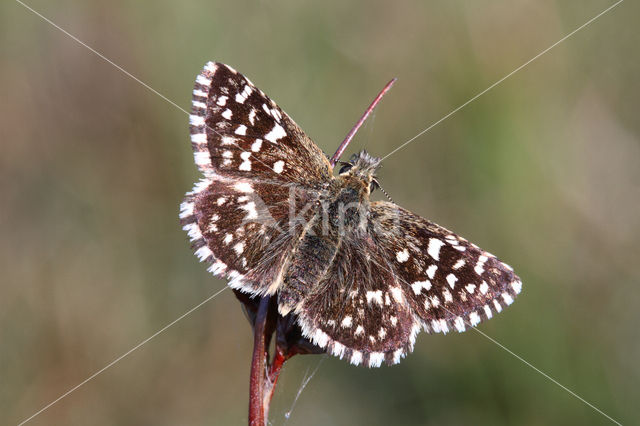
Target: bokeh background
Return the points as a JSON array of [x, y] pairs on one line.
[[542, 170]]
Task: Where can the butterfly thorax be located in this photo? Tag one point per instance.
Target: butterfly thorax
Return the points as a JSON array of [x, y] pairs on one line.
[[343, 213]]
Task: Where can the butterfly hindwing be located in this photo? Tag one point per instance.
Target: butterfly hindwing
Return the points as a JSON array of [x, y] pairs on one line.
[[359, 311], [242, 228]]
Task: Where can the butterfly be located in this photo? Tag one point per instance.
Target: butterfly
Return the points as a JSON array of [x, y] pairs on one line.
[[361, 277]]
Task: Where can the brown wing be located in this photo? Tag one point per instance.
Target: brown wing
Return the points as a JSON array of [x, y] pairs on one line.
[[238, 132], [450, 283], [256, 161]]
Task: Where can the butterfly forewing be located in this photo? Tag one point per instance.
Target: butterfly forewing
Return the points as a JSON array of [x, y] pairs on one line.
[[255, 160], [238, 132], [450, 283]]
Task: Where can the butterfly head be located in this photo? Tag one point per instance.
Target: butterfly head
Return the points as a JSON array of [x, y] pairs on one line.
[[362, 166]]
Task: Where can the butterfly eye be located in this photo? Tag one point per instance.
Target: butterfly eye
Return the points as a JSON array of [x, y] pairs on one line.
[[345, 167], [374, 185]]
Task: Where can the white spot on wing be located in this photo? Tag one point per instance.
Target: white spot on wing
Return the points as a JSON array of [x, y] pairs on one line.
[[507, 298], [356, 357], [376, 296], [238, 248], [252, 213], [338, 349], [276, 114], [227, 114], [396, 293], [431, 271], [276, 133], [201, 158], [222, 100], [474, 318], [517, 286], [487, 311], [346, 322], [434, 248], [186, 209], [203, 80], [199, 138], [459, 324], [459, 264], [278, 166], [402, 256], [210, 66], [203, 253], [255, 147], [419, 285], [244, 187], [228, 140], [321, 338], [246, 163], [193, 231], [252, 116], [375, 359], [241, 97], [484, 288], [479, 268], [241, 130], [217, 268], [451, 279], [196, 120]]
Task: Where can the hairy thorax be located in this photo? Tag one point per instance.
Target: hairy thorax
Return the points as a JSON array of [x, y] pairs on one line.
[[346, 205], [344, 212]]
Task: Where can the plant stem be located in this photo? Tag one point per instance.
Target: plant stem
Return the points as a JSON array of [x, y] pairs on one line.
[[257, 415], [274, 372]]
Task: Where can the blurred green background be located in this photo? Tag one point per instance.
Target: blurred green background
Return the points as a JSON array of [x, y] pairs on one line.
[[543, 171]]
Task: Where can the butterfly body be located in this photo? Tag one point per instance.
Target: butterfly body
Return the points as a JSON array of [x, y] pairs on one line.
[[361, 277]]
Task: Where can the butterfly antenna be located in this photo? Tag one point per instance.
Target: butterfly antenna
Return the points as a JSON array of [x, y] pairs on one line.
[[352, 132], [385, 193]]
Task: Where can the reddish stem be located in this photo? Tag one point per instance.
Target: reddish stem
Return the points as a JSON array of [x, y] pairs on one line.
[[274, 372], [352, 133], [257, 415]]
